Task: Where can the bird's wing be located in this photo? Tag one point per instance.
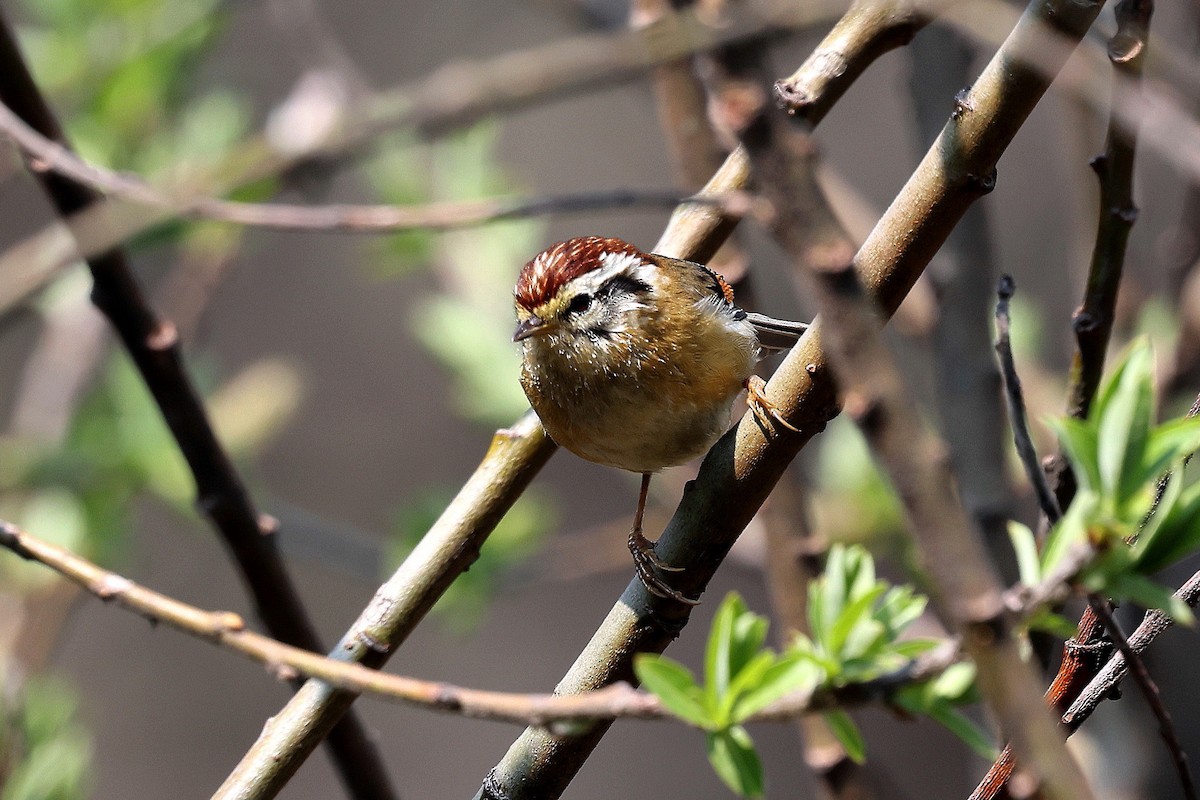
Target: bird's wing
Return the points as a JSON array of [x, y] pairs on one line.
[[776, 334]]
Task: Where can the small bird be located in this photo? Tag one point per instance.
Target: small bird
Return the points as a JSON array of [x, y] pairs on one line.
[[633, 360]]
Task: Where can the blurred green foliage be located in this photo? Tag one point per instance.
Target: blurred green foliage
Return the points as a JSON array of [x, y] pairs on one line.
[[1117, 517], [467, 323], [44, 752]]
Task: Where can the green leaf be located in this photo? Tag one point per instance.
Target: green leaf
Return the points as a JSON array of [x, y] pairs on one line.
[[1049, 622], [733, 757], [675, 685], [847, 733], [1025, 548], [1149, 594], [1071, 530], [955, 682], [1168, 444], [1124, 422], [744, 680], [1080, 443], [717, 659], [853, 617], [790, 673], [1173, 531], [900, 608]]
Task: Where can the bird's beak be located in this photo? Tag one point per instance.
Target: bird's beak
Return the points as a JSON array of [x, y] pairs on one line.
[[530, 326]]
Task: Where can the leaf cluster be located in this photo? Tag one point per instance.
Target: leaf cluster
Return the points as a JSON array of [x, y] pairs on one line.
[[855, 627], [1118, 517]]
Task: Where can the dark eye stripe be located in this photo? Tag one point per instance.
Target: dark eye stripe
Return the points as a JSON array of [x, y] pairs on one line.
[[623, 284]]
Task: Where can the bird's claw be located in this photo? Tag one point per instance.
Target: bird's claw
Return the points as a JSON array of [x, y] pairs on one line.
[[649, 565], [764, 410]]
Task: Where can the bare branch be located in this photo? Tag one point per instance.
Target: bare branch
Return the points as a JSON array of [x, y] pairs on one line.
[[47, 155], [447, 549], [618, 701], [1149, 688], [1016, 405]]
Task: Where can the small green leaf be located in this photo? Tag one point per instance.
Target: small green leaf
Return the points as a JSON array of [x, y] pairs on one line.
[[1173, 532], [847, 733], [1025, 548], [744, 680], [1124, 419], [1070, 532], [675, 685], [1051, 623], [717, 674], [955, 682], [1080, 443], [733, 757], [790, 673], [853, 617]]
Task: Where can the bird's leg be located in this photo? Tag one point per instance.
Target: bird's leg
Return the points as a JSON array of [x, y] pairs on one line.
[[646, 561], [764, 410]]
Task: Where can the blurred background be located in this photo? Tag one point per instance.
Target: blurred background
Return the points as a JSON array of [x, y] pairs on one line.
[[358, 379]]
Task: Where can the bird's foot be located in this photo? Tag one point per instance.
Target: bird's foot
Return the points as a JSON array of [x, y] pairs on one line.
[[764, 410], [649, 565]]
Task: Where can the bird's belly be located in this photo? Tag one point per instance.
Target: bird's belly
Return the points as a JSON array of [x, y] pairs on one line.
[[641, 424]]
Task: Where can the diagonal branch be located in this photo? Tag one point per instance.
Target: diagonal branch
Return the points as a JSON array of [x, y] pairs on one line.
[[153, 345], [966, 590]]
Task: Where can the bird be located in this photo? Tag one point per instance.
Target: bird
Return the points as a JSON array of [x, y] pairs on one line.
[[633, 360]]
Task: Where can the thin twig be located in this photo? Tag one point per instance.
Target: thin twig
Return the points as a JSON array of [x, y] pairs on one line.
[[617, 701], [1016, 404], [1105, 680], [1149, 688], [48, 155], [153, 344]]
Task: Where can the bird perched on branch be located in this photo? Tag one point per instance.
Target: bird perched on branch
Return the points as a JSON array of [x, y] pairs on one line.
[[633, 360]]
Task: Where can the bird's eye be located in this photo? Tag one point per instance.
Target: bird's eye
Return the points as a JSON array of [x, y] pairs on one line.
[[579, 303]]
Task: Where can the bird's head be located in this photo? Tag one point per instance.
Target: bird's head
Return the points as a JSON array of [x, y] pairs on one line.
[[584, 289]]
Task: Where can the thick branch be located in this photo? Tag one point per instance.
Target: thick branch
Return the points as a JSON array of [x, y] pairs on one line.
[[446, 550]]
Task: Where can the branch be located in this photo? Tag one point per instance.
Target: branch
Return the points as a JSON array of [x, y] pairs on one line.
[[1016, 405], [1149, 689], [1102, 684], [447, 549], [1093, 325], [618, 701], [966, 590], [220, 495], [46, 155]]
